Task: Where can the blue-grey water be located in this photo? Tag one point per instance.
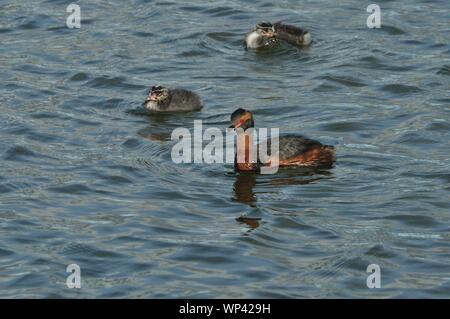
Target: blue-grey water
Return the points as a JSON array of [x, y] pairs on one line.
[[83, 180]]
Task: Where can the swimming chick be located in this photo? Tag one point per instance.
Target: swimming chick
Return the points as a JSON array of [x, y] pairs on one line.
[[294, 150], [263, 35], [162, 99], [267, 34]]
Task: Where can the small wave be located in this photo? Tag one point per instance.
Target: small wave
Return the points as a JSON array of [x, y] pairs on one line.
[[400, 89], [112, 82]]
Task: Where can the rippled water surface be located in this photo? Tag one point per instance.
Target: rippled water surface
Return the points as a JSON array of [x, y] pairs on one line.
[[84, 180]]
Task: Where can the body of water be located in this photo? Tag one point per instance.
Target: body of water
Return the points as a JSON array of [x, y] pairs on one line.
[[85, 181]]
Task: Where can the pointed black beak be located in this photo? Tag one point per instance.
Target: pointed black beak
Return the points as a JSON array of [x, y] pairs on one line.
[[231, 126]]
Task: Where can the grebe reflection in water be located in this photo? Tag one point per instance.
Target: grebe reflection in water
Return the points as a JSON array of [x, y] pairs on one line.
[[271, 188]]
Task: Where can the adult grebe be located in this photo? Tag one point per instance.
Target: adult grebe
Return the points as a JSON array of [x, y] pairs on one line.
[[294, 150]]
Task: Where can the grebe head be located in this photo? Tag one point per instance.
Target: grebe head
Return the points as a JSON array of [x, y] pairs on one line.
[[266, 29], [158, 98], [263, 34], [242, 119]]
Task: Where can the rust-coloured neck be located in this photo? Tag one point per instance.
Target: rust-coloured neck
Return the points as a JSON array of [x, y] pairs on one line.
[[246, 157]]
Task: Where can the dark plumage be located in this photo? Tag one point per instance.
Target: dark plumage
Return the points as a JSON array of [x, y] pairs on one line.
[[293, 145], [292, 34]]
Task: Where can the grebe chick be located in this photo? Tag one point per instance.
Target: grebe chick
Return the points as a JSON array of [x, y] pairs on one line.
[[162, 99], [263, 35], [292, 34], [294, 150]]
